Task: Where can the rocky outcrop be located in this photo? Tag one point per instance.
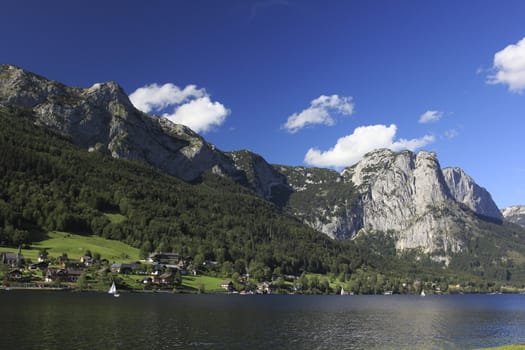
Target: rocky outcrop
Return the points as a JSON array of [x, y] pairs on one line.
[[262, 177], [322, 200], [405, 194], [515, 214], [464, 190], [102, 118]]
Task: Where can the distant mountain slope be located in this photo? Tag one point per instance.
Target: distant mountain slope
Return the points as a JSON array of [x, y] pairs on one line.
[[322, 200], [515, 214]]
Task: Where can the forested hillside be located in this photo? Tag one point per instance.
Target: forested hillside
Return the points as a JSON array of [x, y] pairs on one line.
[[47, 183]]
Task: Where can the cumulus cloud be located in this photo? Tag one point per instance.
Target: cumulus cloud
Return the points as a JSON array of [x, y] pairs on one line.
[[200, 115], [319, 112], [509, 67], [191, 106], [351, 148], [430, 117]]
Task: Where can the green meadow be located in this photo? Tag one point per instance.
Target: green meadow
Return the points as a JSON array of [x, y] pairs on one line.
[[58, 243]]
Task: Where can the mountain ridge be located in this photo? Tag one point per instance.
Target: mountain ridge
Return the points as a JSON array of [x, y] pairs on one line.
[[405, 193]]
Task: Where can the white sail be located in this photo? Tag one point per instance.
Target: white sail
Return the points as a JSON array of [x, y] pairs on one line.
[[113, 290]]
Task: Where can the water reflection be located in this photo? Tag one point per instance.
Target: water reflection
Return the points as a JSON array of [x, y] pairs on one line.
[[138, 321]]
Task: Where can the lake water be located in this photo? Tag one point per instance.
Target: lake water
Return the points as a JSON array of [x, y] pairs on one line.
[[61, 320]]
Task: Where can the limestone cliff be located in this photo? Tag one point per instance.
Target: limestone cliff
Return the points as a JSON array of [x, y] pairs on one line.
[[464, 190], [101, 118], [405, 194]]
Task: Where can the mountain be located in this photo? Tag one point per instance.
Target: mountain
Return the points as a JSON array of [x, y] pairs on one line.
[[404, 194], [72, 155], [464, 190], [101, 118], [261, 177], [322, 199], [515, 214]]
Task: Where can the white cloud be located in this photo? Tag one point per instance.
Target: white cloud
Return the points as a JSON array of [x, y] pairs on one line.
[[191, 106], [430, 117], [200, 115], [154, 97], [509, 67], [351, 148], [319, 112]]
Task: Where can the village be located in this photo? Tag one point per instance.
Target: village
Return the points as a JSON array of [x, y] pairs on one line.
[[161, 271]]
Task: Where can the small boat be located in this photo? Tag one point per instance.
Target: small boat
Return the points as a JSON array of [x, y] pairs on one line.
[[423, 292], [343, 292], [113, 290]]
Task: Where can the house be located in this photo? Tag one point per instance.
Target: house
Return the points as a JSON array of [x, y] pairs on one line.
[[14, 275], [227, 285], [264, 288], [164, 258], [72, 275], [63, 275], [123, 268], [86, 260], [40, 266], [55, 275]]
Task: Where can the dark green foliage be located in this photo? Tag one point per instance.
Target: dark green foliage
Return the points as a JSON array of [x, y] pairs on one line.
[[47, 183]]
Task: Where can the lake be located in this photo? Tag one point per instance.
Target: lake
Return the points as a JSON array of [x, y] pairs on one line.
[[63, 320]]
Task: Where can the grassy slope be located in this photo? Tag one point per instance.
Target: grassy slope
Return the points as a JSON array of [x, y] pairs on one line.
[[211, 284], [75, 246]]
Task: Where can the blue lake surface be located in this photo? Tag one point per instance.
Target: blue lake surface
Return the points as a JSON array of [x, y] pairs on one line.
[[60, 320]]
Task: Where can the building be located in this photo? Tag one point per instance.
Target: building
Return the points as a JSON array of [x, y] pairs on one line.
[[124, 268], [164, 258], [12, 259]]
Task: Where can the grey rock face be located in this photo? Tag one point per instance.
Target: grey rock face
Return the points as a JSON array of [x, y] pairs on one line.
[[405, 194], [102, 118], [464, 190], [515, 214], [262, 177]]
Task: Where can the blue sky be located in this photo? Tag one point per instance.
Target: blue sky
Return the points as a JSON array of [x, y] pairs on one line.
[[312, 83]]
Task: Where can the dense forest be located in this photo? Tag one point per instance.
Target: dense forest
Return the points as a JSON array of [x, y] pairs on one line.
[[47, 183]]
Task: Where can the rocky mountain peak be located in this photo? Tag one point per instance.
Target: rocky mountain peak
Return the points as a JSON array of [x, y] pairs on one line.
[[515, 214], [404, 193], [102, 118], [465, 190]]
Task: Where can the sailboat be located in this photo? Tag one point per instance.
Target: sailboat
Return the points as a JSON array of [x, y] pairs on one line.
[[343, 292], [113, 290], [423, 292]]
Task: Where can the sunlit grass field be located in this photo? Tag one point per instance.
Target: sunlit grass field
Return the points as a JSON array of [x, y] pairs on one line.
[[75, 246]]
